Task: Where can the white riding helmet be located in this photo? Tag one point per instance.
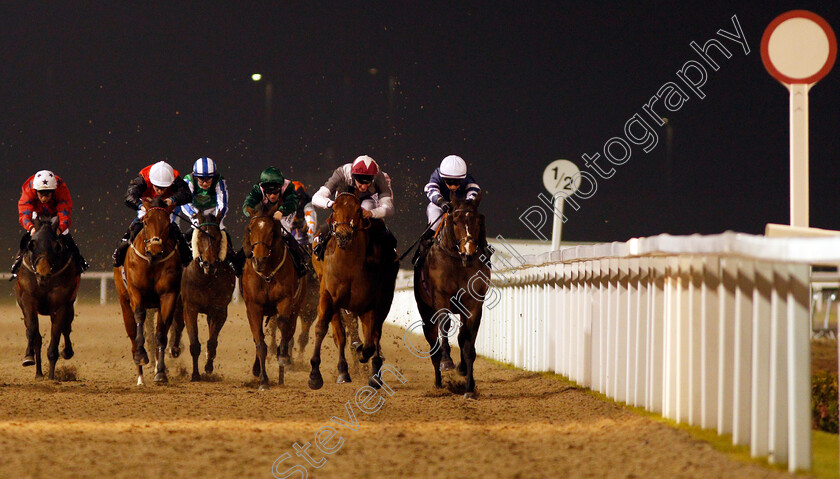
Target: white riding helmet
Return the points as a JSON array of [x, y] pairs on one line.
[[453, 167], [204, 168], [44, 180], [162, 175]]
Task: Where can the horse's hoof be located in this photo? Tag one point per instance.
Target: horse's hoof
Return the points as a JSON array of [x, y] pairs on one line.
[[208, 368], [195, 377], [446, 364], [357, 346], [39, 375], [141, 356], [28, 360], [284, 361], [343, 378], [174, 351], [67, 352], [471, 395], [256, 370], [264, 386], [160, 378], [462, 369], [316, 382], [374, 383], [140, 381]]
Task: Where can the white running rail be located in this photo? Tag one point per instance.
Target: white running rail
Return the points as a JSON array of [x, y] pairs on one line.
[[713, 331]]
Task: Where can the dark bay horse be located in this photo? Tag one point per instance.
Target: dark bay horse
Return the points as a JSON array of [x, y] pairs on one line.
[[360, 283], [270, 287], [453, 265], [47, 284], [207, 287], [152, 280]]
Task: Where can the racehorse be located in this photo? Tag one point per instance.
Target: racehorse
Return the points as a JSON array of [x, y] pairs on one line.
[[207, 287], [47, 284], [270, 287], [360, 283], [152, 280], [451, 266]]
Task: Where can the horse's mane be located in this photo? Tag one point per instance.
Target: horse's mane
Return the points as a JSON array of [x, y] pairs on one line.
[[157, 202]]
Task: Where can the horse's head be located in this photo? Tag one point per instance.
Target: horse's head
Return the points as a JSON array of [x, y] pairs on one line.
[[156, 226], [464, 221], [46, 252], [260, 235], [209, 245], [347, 217]]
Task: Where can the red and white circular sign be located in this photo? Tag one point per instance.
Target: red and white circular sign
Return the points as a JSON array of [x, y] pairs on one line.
[[798, 47]]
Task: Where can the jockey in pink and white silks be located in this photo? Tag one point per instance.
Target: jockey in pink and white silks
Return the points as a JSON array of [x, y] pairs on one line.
[[373, 187]]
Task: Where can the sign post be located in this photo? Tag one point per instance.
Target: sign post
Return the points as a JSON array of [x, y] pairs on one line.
[[561, 178], [798, 48]]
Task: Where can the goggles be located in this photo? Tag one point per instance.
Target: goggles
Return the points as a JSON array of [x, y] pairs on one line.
[[452, 181], [363, 179]]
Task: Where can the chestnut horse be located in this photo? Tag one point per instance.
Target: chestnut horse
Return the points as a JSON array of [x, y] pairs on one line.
[[361, 284], [270, 287], [152, 280], [47, 284], [207, 287], [453, 280]]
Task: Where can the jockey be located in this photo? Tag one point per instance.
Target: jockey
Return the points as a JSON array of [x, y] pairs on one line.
[[155, 181], [45, 194], [305, 224], [272, 189], [210, 197], [372, 186], [450, 181]]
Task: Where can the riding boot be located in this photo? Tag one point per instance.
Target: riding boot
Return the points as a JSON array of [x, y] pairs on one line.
[[237, 260], [24, 241], [74, 250], [423, 246], [183, 246], [319, 246], [230, 255], [298, 256], [125, 242]]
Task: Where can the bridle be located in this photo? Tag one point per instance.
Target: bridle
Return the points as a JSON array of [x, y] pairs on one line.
[[153, 241], [267, 278], [460, 244], [30, 265], [198, 258]]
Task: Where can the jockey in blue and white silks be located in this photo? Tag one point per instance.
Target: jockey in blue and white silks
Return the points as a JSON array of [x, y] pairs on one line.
[[451, 179], [209, 191]]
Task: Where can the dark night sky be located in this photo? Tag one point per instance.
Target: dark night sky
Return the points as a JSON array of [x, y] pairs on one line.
[[97, 90]]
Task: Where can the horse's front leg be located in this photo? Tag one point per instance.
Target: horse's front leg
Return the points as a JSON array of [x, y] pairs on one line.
[[164, 321], [255, 320], [340, 338], [32, 356], [57, 319], [287, 327], [215, 321], [70, 312], [177, 329], [466, 339], [325, 311], [191, 323], [376, 360]]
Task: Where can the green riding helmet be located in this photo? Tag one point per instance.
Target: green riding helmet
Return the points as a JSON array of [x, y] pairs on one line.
[[271, 175]]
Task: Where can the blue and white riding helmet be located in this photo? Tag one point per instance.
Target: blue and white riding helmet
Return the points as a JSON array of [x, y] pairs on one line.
[[204, 168]]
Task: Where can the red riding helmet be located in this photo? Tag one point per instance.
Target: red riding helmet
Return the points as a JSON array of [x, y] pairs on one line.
[[364, 165]]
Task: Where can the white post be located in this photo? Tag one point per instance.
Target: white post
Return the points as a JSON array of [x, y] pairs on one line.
[[103, 285], [799, 154], [557, 226]]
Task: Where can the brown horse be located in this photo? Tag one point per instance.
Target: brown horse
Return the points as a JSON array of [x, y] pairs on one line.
[[47, 284], [360, 283], [453, 280], [270, 287], [152, 280], [207, 287]]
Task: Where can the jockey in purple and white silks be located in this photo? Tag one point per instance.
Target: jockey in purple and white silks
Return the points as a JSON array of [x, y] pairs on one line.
[[450, 179]]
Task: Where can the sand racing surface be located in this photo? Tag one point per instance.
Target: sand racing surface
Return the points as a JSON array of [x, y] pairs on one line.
[[523, 424]]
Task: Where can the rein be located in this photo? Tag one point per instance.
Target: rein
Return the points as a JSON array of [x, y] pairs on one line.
[[52, 273], [270, 276], [456, 251]]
